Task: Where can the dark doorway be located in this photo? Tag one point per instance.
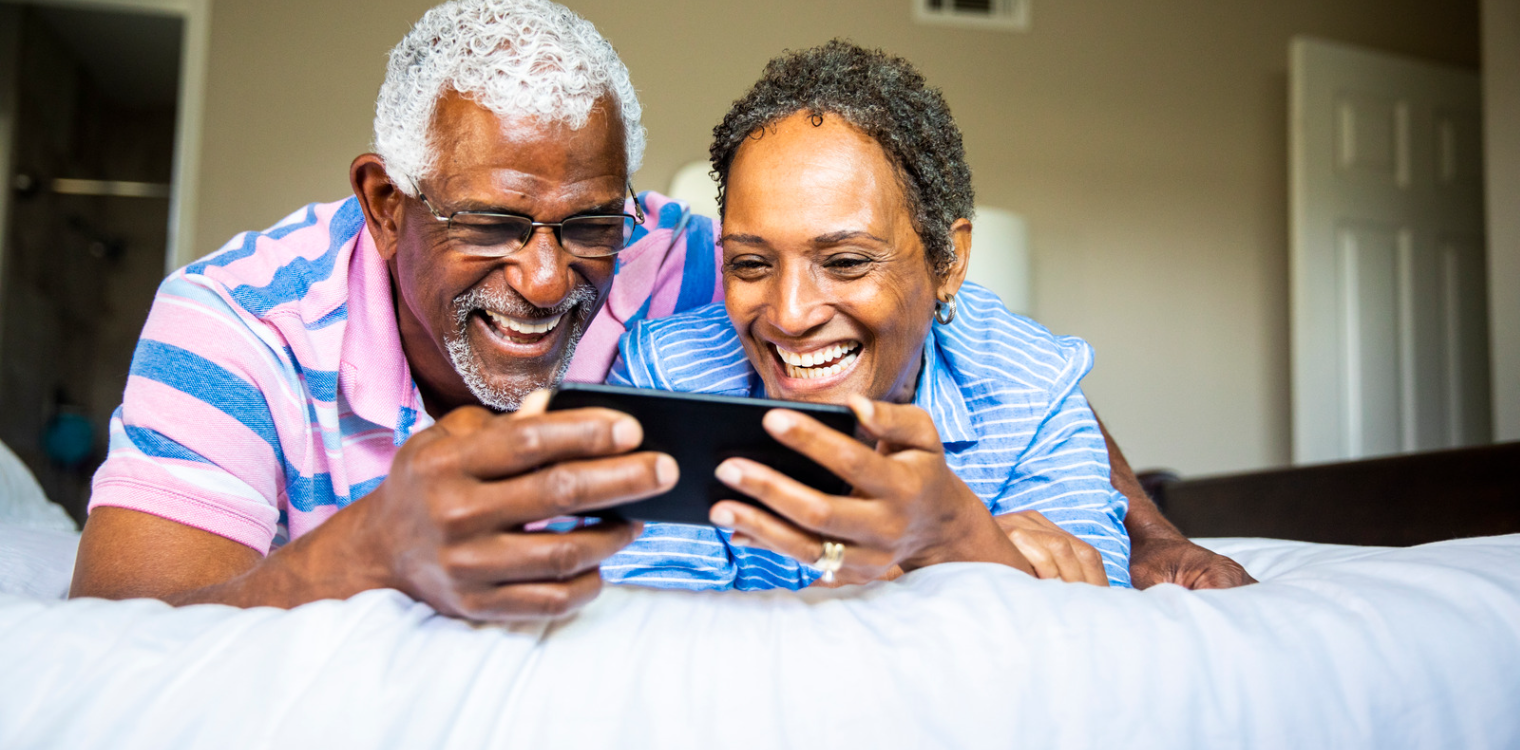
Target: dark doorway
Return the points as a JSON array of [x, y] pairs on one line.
[[93, 98]]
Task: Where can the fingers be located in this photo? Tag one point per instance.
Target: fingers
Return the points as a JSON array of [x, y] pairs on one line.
[[1031, 545], [536, 403], [504, 445], [754, 527], [862, 467], [567, 488], [529, 601], [1091, 561], [547, 556], [1223, 573], [827, 515], [1051, 550], [898, 426]]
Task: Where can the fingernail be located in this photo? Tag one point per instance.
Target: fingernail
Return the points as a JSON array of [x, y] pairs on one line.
[[721, 516], [780, 420], [863, 407], [728, 473], [740, 540], [626, 433], [666, 472], [535, 402]]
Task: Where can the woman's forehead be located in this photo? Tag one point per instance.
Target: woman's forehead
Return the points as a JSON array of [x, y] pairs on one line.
[[820, 178]]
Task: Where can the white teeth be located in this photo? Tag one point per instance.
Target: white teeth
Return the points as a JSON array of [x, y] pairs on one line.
[[804, 372], [818, 357], [523, 326]]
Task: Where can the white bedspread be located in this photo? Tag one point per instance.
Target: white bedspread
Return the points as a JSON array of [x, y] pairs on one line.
[[1339, 647]]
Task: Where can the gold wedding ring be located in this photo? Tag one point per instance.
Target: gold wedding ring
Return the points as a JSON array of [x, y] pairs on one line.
[[831, 561]]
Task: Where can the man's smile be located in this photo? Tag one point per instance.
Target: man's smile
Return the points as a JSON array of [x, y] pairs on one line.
[[523, 325], [529, 337]]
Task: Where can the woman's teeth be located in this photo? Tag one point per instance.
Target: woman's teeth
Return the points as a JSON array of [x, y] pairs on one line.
[[812, 365], [517, 325]]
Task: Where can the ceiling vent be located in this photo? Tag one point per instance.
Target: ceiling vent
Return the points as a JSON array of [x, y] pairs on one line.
[[1008, 15]]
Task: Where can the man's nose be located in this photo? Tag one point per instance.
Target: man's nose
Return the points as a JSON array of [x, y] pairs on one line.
[[540, 270]]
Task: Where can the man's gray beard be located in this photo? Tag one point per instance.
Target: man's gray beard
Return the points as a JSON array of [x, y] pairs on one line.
[[467, 362]]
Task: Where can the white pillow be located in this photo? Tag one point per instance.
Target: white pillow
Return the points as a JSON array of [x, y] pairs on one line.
[[22, 502], [36, 563]]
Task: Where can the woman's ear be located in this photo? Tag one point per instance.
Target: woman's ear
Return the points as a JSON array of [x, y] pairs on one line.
[[380, 200], [960, 239]]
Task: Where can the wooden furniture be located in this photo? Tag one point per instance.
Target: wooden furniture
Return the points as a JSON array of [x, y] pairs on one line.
[[1396, 501]]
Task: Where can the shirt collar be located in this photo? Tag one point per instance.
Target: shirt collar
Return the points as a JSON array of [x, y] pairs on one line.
[[373, 374], [939, 395]]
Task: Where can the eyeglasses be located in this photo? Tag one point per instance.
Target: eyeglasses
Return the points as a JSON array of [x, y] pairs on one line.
[[483, 234]]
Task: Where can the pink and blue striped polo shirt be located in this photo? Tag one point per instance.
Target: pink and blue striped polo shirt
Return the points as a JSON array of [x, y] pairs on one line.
[[269, 388]]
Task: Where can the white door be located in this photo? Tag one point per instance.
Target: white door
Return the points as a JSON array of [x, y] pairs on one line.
[[1389, 310]]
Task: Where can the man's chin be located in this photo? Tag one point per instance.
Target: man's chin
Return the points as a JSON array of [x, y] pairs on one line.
[[501, 381]]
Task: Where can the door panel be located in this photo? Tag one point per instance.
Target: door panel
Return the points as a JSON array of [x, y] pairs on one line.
[[1389, 333]]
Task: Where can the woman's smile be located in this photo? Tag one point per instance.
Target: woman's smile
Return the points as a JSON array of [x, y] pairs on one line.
[[805, 367]]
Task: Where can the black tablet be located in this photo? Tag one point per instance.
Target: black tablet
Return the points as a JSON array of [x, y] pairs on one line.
[[701, 431]]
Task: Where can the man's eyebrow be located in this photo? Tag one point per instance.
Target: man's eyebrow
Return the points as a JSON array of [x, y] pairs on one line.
[[611, 206]]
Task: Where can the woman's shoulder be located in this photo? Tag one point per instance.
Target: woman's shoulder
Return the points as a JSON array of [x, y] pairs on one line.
[[987, 342], [695, 351]]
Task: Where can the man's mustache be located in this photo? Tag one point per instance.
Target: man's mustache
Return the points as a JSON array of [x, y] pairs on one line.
[[514, 305]]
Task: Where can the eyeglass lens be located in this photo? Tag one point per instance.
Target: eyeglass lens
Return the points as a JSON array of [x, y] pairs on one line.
[[584, 236]]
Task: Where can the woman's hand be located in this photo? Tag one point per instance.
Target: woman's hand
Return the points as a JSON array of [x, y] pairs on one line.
[[1053, 551], [907, 507]]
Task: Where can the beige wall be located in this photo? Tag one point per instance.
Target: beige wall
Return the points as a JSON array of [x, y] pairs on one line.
[[1144, 142], [1501, 94]]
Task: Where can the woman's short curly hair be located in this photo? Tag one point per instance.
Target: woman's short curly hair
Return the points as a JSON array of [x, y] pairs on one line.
[[886, 98]]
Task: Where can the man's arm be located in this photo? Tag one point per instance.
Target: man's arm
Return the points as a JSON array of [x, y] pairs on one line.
[[445, 527], [127, 554], [1159, 553]]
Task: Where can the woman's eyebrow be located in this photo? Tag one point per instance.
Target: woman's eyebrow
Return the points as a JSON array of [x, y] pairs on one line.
[[835, 238], [744, 239]]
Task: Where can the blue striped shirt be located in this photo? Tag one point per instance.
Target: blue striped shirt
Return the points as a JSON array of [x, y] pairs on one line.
[[1003, 391]]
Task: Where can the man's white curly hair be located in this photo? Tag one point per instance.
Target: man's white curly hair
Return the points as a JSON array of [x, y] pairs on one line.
[[516, 58]]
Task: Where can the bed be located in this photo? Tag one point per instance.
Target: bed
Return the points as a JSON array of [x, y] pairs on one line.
[[1338, 647]]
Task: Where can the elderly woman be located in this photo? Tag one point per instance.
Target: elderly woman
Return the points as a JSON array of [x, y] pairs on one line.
[[846, 204]]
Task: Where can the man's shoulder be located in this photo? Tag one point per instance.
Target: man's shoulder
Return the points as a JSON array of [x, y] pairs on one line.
[[298, 266]]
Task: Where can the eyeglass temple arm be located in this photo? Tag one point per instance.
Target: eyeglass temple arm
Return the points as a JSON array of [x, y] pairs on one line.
[[638, 210]]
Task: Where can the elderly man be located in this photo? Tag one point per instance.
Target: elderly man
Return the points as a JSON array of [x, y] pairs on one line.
[[277, 443]]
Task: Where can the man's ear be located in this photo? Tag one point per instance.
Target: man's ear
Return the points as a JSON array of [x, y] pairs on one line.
[[960, 239], [380, 199]]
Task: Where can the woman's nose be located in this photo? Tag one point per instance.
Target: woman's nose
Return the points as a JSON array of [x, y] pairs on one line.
[[798, 307]]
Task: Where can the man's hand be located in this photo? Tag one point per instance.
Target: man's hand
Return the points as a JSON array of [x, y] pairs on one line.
[[446, 526], [1179, 561], [447, 523], [1159, 553], [1053, 551]]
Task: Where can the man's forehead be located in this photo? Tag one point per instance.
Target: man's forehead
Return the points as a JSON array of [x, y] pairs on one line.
[[478, 151], [467, 128]]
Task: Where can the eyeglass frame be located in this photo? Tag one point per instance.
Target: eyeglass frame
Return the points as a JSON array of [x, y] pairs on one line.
[[533, 224]]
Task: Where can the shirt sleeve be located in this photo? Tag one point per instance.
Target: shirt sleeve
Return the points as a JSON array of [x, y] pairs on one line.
[[1064, 471], [195, 439]]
